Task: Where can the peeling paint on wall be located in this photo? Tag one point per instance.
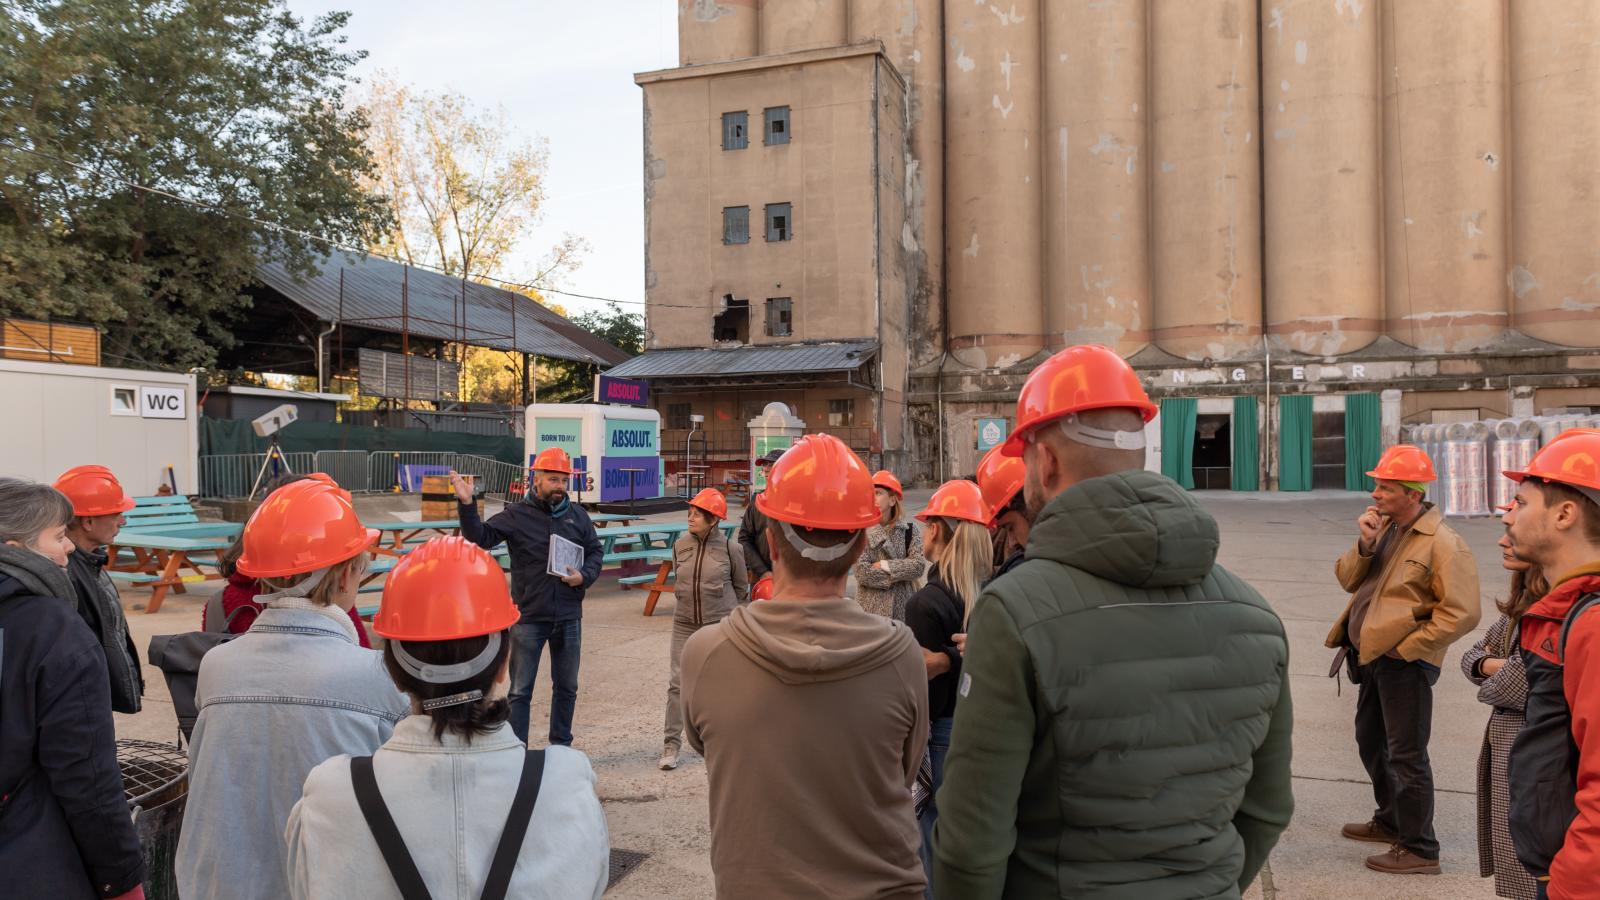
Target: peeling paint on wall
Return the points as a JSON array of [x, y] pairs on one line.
[[1521, 281], [709, 10], [1354, 7]]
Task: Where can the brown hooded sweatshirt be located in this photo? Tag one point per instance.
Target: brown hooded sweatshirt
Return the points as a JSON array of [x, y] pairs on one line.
[[812, 717]]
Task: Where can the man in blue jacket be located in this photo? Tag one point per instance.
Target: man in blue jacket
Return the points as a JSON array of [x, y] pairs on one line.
[[552, 607]]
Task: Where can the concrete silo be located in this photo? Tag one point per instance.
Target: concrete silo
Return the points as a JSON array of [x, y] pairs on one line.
[[715, 30]]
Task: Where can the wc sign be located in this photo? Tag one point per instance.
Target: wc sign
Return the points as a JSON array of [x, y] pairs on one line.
[[161, 402]]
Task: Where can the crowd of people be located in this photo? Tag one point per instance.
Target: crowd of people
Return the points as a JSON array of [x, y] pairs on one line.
[[1049, 688]]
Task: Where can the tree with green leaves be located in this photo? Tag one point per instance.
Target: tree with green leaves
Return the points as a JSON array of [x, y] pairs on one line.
[[573, 382], [235, 105]]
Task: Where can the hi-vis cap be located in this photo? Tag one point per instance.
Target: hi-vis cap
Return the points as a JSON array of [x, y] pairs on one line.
[[94, 491], [960, 499], [1404, 462], [552, 459], [819, 483], [1000, 477], [1572, 459], [1079, 379], [302, 527]]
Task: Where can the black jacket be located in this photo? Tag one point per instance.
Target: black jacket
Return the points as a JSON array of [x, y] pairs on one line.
[[526, 528], [752, 534], [1012, 561], [934, 613], [65, 828], [101, 610]]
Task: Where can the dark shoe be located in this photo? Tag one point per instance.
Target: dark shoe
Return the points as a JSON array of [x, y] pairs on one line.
[[1400, 861], [1370, 831]]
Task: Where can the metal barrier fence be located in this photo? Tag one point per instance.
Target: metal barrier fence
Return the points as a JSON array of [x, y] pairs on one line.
[[384, 467], [494, 476], [348, 468], [233, 474]]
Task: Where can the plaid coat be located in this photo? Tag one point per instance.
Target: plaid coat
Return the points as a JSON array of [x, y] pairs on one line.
[[1506, 692]]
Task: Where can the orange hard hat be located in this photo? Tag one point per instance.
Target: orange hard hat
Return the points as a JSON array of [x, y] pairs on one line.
[[820, 483], [762, 589], [1573, 458], [301, 527], [1000, 477], [94, 491], [1404, 462], [711, 501], [883, 478], [1079, 378], [957, 500], [552, 459], [448, 588]]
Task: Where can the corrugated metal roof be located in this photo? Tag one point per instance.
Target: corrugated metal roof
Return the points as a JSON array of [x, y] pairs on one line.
[[435, 309], [835, 357]]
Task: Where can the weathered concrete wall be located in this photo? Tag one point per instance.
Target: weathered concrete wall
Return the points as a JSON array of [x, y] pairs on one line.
[[1555, 170], [716, 30], [910, 32], [1444, 141], [789, 25], [826, 172], [993, 205], [1097, 283], [895, 276], [1322, 149], [1205, 187]]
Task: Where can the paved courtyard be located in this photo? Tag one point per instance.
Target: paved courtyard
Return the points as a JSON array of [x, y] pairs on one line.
[[1284, 544]]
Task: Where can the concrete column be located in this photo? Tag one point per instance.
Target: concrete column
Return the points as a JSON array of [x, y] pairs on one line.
[[1097, 265], [1390, 401], [1521, 397], [715, 30], [993, 216], [789, 25], [1555, 170], [1205, 188], [1322, 151]]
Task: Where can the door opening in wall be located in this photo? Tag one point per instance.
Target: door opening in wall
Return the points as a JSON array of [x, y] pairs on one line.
[[1213, 452], [1327, 450]]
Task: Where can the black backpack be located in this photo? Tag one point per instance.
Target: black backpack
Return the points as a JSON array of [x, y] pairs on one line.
[[178, 657]]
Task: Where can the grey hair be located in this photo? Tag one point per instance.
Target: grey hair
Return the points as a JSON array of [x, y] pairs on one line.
[[27, 509]]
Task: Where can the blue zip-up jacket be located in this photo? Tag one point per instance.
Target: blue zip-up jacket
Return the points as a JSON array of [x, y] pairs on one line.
[[526, 528]]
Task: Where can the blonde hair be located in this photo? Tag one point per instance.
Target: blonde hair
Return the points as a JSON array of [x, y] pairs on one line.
[[895, 512], [323, 593], [966, 559]]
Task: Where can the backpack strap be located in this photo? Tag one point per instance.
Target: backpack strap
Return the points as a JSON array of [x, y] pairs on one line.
[[1584, 604], [505, 855], [384, 831]]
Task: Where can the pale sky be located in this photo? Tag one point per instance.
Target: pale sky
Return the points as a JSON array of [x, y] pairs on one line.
[[563, 72]]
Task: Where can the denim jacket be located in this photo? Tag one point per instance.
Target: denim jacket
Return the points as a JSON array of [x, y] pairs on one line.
[[449, 799], [291, 692]]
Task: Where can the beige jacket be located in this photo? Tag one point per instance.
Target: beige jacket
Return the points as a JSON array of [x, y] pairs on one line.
[[1427, 599], [711, 578], [812, 718]]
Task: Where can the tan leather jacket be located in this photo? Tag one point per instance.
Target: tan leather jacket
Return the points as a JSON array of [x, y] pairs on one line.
[[1427, 599]]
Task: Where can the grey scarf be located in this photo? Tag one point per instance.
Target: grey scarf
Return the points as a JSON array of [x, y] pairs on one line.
[[37, 573]]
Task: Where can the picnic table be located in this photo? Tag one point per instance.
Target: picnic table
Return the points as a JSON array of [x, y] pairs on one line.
[[158, 559], [647, 534], [394, 536]]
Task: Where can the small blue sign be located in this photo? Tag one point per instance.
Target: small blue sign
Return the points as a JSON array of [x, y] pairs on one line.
[[992, 433]]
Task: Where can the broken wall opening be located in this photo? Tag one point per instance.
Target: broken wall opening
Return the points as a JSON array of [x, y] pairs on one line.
[[733, 323]]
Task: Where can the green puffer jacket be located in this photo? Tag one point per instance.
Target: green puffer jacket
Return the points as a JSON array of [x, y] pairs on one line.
[[1125, 717]]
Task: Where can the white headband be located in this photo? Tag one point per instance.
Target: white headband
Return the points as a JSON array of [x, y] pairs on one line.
[[811, 551], [1076, 430], [453, 673]]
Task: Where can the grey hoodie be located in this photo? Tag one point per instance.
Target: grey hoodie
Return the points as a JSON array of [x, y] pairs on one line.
[[812, 717]]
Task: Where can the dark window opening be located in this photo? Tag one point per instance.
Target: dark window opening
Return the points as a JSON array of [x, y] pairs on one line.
[[1213, 452], [677, 415], [779, 222], [735, 135], [736, 224], [777, 124], [1327, 450], [841, 413], [733, 323], [780, 317]]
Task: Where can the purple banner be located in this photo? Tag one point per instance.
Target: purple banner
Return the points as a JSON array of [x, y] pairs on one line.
[[622, 390], [614, 477]]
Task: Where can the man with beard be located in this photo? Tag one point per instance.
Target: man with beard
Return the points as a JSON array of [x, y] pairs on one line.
[[1554, 770], [1124, 722], [552, 606]]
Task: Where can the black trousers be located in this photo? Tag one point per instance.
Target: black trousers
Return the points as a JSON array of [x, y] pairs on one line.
[[1394, 719]]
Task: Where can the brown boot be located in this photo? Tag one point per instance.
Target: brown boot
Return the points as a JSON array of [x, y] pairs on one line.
[[1400, 861], [1370, 831]]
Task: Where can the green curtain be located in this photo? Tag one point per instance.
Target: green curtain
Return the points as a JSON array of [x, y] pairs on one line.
[[1294, 443], [1246, 472], [1363, 440], [236, 436], [1177, 439]]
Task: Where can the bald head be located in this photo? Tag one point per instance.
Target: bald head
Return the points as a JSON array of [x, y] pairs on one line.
[[1056, 462]]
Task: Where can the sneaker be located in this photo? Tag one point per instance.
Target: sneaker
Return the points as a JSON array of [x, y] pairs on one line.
[[669, 759], [1370, 831], [1400, 861]]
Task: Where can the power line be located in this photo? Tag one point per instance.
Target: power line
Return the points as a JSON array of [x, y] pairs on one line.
[[284, 229]]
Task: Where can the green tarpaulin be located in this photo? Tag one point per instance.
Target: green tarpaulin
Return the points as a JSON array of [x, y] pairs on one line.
[[1294, 443], [1363, 439], [1246, 470], [219, 436], [1177, 439]]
